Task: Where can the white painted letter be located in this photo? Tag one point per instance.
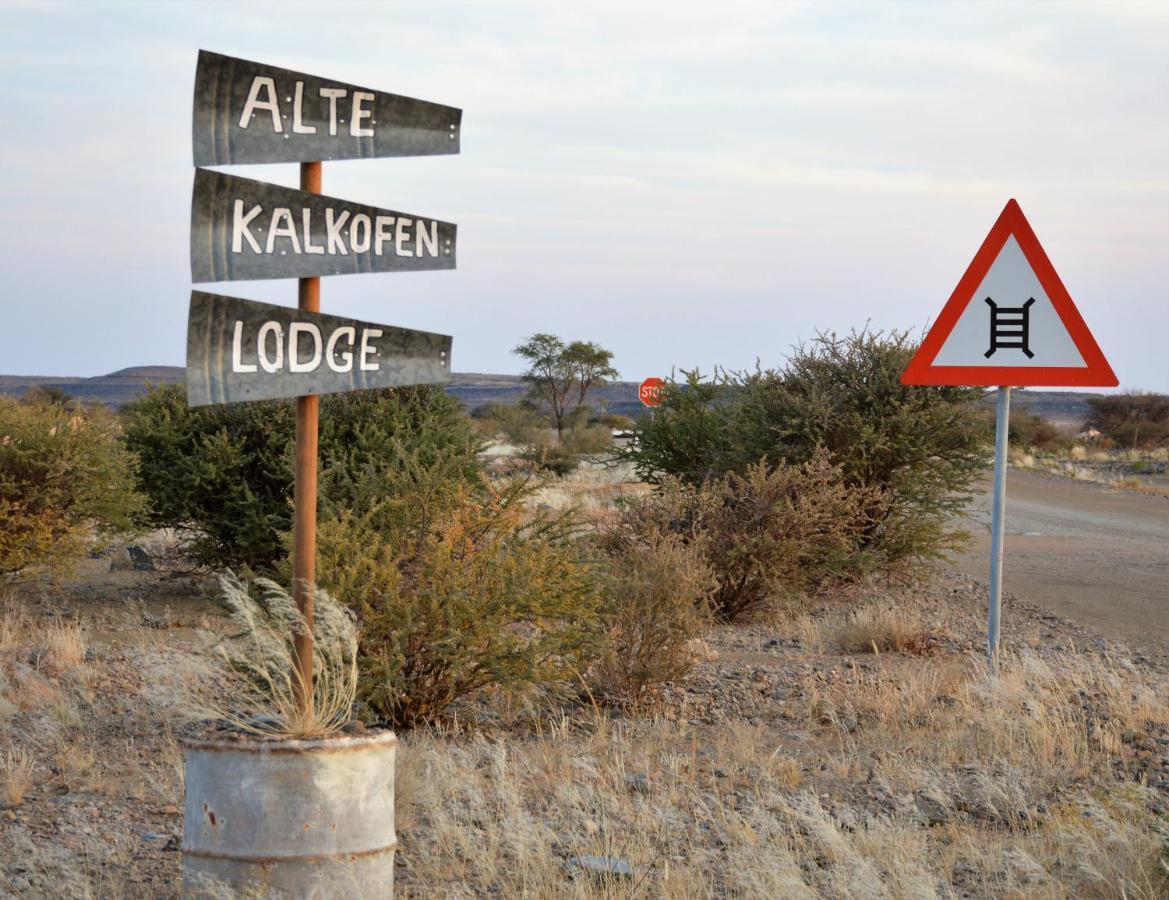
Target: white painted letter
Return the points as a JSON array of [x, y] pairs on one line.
[[270, 365], [383, 228], [309, 246], [294, 332], [298, 127], [346, 365], [359, 245], [254, 102], [430, 240], [400, 237], [239, 227], [333, 231], [333, 94], [367, 350], [280, 214], [356, 114], [237, 351]]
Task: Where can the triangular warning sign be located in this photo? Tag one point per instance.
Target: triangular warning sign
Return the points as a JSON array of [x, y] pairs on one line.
[[1010, 322]]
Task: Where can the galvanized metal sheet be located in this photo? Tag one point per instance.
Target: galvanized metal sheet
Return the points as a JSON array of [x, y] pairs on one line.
[[240, 350], [248, 112], [243, 229]]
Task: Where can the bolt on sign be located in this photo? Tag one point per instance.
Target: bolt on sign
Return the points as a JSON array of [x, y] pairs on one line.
[[242, 350], [1009, 322], [243, 229], [247, 112]]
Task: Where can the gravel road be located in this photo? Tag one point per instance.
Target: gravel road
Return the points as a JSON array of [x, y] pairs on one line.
[[1092, 554]]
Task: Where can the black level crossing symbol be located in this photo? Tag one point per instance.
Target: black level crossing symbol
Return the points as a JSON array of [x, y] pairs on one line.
[[1010, 327]]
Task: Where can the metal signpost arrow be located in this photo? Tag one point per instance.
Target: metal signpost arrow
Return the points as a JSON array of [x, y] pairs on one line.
[[247, 112], [243, 230], [240, 350], [1009, 322]]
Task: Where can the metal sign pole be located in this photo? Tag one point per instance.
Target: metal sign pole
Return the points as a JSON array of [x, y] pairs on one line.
[[997, 515], [304, 553]]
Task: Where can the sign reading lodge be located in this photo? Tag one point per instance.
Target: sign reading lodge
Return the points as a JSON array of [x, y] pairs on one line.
[[242, 350]]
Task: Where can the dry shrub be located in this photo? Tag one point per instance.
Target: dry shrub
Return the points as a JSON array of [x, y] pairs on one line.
[[589, 439], [16, 776], [656, 605], [62, 646], [64, 474], [881, 628], [264, 696], [455, 589], [774, 530]]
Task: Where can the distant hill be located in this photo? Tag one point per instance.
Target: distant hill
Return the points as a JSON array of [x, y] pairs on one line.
[[472, 388], [1064, 408]]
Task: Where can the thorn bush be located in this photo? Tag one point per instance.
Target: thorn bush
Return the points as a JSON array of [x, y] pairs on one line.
[[457, 587], [65, 477]]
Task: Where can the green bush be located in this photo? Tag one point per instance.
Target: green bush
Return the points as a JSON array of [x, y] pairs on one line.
[[1132, 420], [1029, 431], [586, 441], [559, 459], [656, 606], [773, 531], [614, 421], [222, 475], [912, 451], [456, 588], [64, 477], [520, 423]]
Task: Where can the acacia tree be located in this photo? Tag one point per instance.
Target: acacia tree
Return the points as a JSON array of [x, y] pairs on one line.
[[561, 375]]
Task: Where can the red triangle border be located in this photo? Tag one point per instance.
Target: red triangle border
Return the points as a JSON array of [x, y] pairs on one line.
[[1097, 372]]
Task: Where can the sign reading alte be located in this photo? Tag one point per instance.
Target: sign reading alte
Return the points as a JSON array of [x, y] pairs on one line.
[[243, 229], [242, 350], [247, 112]]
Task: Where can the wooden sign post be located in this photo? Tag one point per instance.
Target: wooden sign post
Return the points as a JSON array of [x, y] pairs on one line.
[[247, 112], [304, 491]]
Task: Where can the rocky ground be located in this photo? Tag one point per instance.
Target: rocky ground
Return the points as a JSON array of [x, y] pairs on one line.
[[851, 747]]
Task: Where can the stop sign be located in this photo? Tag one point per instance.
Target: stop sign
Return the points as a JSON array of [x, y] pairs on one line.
[[652, 392]]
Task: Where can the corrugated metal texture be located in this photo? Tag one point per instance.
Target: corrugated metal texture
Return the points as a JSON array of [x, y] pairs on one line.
[[243, 230], [219, 371], [401, 126]]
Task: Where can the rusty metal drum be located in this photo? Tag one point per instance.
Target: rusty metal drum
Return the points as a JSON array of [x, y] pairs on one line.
[[295, 818]]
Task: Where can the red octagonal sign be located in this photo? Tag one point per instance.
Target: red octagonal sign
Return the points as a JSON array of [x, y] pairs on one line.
[[652, 392]]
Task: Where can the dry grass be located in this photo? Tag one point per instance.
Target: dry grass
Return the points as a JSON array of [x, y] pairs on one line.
[[62, 646], [17, 767], [879, 628], [264, 688], [1015, 775], [735, 817], [826, 791]]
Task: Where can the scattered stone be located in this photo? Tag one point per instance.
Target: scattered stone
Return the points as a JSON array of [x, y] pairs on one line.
[[131, 559], [638, 783], [933, 806], [603, 866]]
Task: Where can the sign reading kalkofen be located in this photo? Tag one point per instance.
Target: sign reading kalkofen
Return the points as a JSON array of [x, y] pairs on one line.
[[247, 112], [243, 229]]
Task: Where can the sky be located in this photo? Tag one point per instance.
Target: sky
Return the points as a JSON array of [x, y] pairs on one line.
[[688, 184]]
